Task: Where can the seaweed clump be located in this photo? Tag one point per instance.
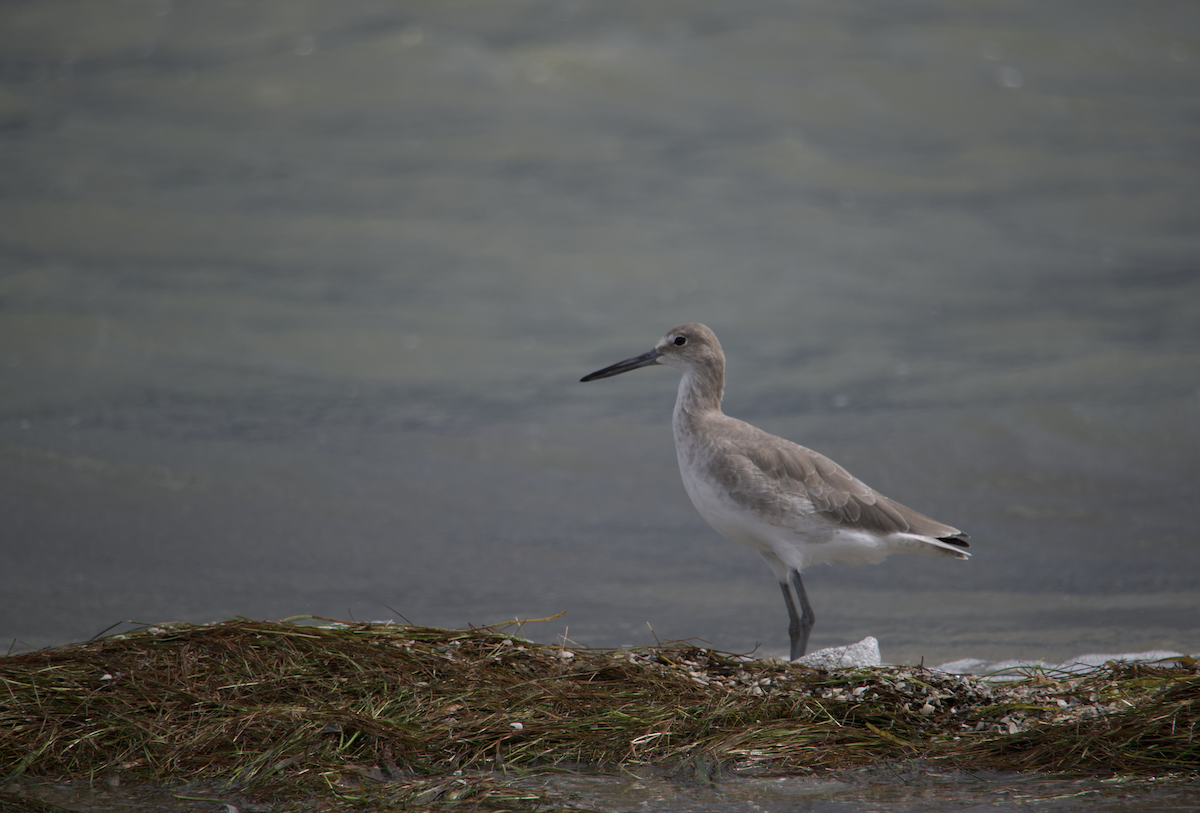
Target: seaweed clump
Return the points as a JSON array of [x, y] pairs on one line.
[[338, 716]]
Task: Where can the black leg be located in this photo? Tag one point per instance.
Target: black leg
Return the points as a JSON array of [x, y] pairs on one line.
[[800, 613], [793, 617]]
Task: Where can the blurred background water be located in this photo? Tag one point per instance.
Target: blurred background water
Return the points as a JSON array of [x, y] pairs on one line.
[[295, 297]]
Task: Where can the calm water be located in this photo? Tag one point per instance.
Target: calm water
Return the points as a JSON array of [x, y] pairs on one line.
[[890, 789], [294, 300]]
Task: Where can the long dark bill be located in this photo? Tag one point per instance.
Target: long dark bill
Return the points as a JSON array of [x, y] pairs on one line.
[[644, 360]]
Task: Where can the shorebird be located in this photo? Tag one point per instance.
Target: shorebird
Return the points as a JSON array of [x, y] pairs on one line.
[[794, 506]]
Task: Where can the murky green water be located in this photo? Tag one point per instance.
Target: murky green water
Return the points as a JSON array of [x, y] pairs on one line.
[[294, 299]]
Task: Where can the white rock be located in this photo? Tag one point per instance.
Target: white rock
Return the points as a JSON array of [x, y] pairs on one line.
[[1015, 669], [1092, 660], [864, 653], [965, 666]]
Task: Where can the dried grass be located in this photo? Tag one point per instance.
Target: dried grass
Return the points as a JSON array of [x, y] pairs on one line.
[[345, 715]]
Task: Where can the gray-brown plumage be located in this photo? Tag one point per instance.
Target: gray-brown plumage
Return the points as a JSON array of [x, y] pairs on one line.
[[795, 506]]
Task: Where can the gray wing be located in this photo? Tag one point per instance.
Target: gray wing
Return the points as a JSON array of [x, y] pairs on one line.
[[793, 471]]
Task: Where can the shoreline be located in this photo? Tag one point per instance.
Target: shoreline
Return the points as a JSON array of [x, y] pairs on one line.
[[361, 714]]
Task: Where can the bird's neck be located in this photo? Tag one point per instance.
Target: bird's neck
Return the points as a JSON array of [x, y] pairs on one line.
[[700, 392]]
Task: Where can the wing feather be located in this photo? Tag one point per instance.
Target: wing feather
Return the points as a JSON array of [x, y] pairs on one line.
[[793, 474]]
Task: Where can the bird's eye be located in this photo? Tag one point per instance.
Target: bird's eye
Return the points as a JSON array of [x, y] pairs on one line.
[[680, 341]]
